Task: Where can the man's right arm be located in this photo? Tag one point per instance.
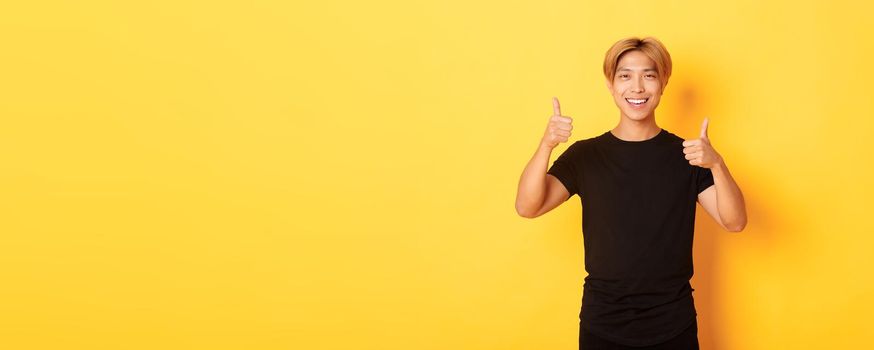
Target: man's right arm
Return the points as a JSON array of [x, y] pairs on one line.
[[539, 192]]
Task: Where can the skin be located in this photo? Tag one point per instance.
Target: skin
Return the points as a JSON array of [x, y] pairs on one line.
[[636, 77]]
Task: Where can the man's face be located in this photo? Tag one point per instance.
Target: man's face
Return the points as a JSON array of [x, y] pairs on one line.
[[636, 80]]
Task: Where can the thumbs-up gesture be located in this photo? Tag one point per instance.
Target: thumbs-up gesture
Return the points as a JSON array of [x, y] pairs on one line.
[[699, 151], [559, 128]]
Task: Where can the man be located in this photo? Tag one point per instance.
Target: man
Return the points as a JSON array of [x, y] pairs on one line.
[[638, 184]]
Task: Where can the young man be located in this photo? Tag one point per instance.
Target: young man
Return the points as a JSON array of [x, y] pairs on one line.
[[638, 184]]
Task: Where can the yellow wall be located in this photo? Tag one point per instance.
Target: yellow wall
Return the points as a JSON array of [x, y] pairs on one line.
[[341, 175]]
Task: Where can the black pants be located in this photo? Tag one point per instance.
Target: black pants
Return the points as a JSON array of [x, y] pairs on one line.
[[688, 340]]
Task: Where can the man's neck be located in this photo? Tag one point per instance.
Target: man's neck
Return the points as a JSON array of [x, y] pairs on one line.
[[633, 130]]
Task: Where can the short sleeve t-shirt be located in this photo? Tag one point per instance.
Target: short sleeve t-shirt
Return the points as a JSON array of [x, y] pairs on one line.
[[638, 200]]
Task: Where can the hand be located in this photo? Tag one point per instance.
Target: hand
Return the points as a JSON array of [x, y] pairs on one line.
[[559, 128], [699, 151]]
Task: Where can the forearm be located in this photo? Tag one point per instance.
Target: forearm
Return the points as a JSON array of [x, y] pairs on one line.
[[729, 199], [532, 184]]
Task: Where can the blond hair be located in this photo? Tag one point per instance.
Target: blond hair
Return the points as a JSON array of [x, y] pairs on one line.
[[649, 46]]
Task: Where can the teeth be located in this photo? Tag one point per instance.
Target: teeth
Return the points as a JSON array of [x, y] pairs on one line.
[[636, 101]]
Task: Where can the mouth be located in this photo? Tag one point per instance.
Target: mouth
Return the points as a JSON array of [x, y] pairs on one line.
[[637, 103]]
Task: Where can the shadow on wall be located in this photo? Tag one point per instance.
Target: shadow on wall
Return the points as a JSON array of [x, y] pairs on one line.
[[693, 102]]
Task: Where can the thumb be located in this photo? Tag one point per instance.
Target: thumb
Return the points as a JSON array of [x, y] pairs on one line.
[[556, 108], [704, 128]]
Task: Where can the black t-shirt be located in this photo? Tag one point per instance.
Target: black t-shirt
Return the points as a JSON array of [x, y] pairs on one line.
[[638, 200]]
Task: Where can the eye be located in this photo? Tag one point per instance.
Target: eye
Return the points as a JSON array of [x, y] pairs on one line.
[[623, 75], [650, 76]]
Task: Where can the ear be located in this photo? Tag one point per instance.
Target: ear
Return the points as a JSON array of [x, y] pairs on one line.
[[609, 85]]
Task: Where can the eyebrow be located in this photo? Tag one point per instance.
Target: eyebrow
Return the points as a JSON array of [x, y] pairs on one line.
[[645, 70]]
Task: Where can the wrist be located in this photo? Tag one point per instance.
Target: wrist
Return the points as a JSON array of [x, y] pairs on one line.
[[719, 167]]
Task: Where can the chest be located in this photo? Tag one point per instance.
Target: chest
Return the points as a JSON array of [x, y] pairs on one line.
[[628, 178]]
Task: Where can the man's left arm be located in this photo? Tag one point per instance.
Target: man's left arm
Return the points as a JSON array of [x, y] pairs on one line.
[[723, 200]]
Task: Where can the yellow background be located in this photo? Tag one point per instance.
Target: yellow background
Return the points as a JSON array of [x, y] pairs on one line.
[[341, 175]]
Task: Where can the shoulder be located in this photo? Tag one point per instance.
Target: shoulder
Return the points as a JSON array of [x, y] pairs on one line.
[[580, 146], [591, 141], [673, 139]]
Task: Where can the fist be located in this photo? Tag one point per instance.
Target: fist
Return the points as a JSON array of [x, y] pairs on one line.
[[559, 128], [699, 152]]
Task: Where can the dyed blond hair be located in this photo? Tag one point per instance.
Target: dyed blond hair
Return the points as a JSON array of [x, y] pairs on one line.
[[649, 46]]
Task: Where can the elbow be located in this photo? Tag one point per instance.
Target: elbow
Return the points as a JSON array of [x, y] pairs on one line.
[[527, 216], [525, 212], [737, 226]]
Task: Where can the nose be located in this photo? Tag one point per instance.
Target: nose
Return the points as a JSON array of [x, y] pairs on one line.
[[637, 86]]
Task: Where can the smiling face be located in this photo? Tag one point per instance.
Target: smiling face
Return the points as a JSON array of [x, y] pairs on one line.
[[636, 87]]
